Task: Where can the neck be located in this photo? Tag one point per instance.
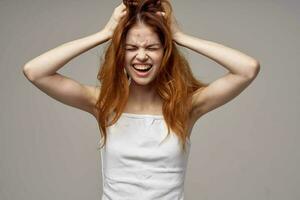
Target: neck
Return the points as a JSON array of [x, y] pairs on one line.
[[143, 97]]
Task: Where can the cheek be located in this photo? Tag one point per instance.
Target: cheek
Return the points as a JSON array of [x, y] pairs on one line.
[[158, 58], [127, 61], [128, 58]]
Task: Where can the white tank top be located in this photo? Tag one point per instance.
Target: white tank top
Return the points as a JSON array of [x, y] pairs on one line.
[[136, 166]]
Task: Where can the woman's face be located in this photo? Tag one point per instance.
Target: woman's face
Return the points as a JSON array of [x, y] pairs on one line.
[[143, 54]]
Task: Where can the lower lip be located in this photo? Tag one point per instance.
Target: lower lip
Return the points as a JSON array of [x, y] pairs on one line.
[[142, 74]]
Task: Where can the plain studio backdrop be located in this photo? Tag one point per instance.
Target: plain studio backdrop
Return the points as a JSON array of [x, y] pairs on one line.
[[247, 149]]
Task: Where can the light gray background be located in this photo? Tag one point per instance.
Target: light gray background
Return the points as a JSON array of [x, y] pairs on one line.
[[248, 149]]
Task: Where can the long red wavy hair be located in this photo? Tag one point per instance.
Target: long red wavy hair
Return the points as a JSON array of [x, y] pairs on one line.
[[174, 81]]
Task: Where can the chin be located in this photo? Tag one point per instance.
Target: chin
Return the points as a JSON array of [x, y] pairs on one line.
[[141, 81]]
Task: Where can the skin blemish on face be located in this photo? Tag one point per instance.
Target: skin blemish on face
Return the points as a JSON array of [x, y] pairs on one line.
[[142, 46], [141, 42]]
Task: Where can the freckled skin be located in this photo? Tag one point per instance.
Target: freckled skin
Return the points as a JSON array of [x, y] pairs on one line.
[[141, 36]]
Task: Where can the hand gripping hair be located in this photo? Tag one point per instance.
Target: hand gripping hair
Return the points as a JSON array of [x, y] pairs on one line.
[[144, 4], [153, 6]]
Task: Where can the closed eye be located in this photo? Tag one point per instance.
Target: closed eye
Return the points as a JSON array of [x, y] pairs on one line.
[[130, 49], [150, 49], [153, 49]]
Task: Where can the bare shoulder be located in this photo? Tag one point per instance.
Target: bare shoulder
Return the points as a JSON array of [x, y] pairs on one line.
[[218, 93], [68, 91]]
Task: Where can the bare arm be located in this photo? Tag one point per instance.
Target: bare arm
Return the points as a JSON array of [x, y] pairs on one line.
[[235, 61], [42, 70], [48, 63], [242, 71]]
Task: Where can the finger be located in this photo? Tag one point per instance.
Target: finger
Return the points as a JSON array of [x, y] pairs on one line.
[[123, 13], [161, 13], [121, 6]]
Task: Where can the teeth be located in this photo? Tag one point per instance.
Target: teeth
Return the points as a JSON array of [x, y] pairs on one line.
[[142, 67]]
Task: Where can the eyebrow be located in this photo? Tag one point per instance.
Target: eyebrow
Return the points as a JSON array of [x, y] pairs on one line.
[[147, 46]]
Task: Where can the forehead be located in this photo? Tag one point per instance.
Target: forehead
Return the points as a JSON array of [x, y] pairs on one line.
[[141, 34]]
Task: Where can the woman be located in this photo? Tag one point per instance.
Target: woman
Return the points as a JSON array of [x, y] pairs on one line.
[[147, 90]]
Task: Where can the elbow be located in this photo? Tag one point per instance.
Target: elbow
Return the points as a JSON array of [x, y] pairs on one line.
[[254, 69], [28, 72]]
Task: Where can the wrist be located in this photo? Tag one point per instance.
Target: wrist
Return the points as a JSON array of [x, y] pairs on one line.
[[105, 34], [177, 37]]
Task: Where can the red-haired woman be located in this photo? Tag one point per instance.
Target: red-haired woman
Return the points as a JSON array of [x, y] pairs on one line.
[[148, 99]]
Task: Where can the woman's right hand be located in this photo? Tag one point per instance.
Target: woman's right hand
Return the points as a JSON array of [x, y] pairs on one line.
[[118, 13]]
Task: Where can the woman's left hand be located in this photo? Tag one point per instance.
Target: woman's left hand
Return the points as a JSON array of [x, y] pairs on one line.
[[176, 31]]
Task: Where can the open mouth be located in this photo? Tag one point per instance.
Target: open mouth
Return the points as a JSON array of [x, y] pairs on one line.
[[142, 68]]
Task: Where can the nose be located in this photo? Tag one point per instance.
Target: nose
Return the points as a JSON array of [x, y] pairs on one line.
[[141, 55]]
